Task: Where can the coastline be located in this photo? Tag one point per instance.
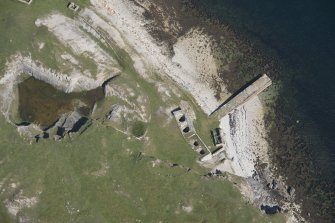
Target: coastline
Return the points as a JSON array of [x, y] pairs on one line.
[[166, 73], [300, 120], [244, 134], [129, 21], [244, 130]]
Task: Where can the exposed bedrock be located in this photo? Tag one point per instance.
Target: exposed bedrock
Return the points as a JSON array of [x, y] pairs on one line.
[[36, 99]]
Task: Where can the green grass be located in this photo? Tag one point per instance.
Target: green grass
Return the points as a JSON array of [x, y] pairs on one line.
[[131, 189], [4, 216], [71, 174], [138, 128], [20, 34]]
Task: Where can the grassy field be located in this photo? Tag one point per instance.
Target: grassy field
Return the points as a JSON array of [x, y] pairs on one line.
[[19, 33], [104, 175]]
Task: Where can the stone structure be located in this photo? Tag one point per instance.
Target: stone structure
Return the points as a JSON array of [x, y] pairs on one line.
[[216, 135], [242, 96], [214, 157], [72, 122], [187, 129], [72, 6]]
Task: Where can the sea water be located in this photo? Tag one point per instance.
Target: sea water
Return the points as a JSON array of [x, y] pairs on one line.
[[302, 34]]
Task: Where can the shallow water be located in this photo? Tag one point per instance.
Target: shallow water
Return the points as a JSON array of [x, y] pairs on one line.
[[302, 34], [41, 103]]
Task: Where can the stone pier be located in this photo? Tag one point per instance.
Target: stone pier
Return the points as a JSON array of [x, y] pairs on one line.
[[242, 96]]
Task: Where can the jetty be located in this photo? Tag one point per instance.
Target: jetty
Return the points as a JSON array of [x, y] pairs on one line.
[[245, 94]]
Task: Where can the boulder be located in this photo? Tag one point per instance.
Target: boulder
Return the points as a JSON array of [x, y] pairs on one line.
[[290, 190], [71, 120]]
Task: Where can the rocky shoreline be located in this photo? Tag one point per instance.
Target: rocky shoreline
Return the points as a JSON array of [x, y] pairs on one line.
[[204, 58], [180, 66], [294, 138]]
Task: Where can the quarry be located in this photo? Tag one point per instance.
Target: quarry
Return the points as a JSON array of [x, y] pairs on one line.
[[109, 124]]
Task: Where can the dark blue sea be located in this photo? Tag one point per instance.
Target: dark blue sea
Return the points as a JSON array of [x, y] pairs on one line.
[[302, 34]]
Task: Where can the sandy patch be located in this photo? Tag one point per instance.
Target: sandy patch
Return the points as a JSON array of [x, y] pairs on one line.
[[193, 53]]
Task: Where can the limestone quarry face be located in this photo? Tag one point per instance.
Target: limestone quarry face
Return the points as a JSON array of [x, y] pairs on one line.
[[30, 107], [190, 66], [69, 33], [47, 111], [42, 104]]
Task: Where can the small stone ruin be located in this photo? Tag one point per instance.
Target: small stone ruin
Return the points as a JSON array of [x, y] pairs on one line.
[[72, 6], [187, 130], [216, 135]]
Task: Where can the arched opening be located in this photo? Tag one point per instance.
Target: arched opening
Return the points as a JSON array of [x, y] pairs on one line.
[[182, 118], [186, 129], [196, 143], [202, 152]]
